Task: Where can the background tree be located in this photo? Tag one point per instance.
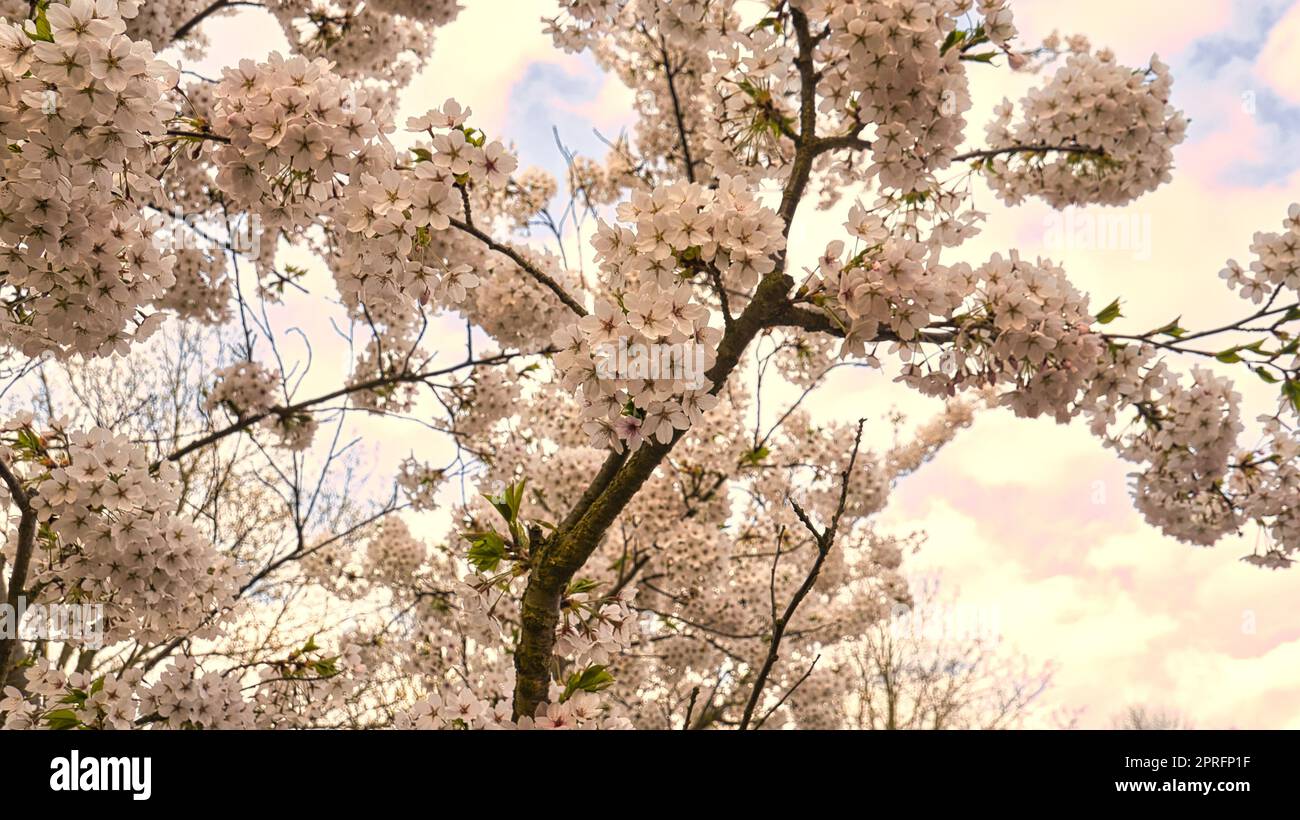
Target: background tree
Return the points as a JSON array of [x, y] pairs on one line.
[[941, 665], [1141, 717]]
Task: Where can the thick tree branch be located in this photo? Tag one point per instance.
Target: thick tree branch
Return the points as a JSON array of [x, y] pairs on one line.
[[571, 546], [22, 561], [806, 150]]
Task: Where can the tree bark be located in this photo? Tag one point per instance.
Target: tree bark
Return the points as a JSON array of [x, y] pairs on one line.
[[22, 560], [574, 542]]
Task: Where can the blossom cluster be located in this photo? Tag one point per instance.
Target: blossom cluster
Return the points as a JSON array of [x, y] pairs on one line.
[[302, 146], [108, 702], [377, 38], [392, 553], [420, 482], [668, 237], [244, 389], [1276, 264], [184, 697], [1267, 482], [1023, 330], [113, 535], [181, 696], [888, 67], [202, 290], [1187, 436], [247, 389], [594, 629], [298, 146], [1012, 323], [1115, 126], [82, 110], [457, 707]]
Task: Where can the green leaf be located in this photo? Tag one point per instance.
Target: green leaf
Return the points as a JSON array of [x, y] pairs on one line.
[[984, 57], [592, 679], [954, 37], [1268, 377], [508, 503], [487, 551], [43, 31], [61, 719], [29, 442], [1229, 356], [474, 136], [1171, 329], [581, 585], [1109, 314], [1291, 390], [755, 457]]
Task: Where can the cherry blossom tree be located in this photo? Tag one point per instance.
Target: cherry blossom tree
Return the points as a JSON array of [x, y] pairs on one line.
[[631, 538]]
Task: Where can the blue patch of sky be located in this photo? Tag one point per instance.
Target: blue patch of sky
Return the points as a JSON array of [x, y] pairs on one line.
[[1251, 21], [541, 107], [544, 124], [1225, 59]]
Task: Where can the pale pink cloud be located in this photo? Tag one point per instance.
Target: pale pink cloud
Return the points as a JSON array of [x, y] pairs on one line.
[[1133, 29], [1277, 61]]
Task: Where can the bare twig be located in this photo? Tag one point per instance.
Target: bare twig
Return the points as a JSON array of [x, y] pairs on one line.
[[824, 539]]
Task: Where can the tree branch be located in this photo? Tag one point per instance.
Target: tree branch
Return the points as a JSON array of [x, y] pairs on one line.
[[818, 322], [856, 143], [825, 540], [528, 267], [572, 544], [293, 409], [677, 113], [216, 6], [22, 561], [986, 153]]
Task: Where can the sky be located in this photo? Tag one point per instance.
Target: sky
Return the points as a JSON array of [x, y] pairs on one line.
[[1026, 519]]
